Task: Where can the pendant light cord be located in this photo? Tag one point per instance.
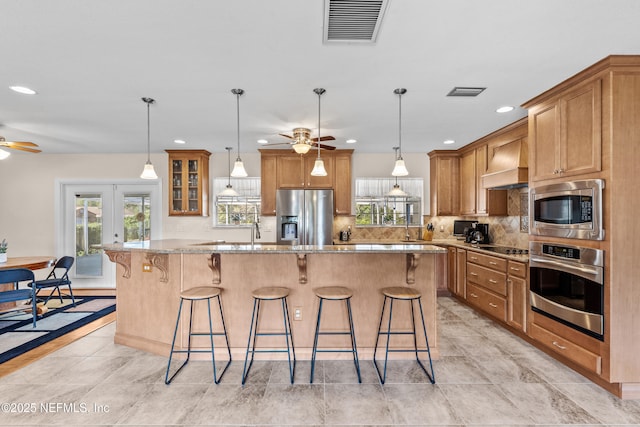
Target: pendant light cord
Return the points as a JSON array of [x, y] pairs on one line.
[[228, 166], [238, 121], [318, 143], [400, 124]]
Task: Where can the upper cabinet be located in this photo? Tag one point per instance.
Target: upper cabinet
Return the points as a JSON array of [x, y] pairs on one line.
[[565, 133], [287, 169], [189, 182], [443, 178], [474, 199]]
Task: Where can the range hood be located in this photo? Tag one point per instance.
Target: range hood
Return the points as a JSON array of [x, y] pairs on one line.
[[508, 166]]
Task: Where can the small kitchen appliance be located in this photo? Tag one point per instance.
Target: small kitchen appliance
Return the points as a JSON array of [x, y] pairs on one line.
[[478, 234]]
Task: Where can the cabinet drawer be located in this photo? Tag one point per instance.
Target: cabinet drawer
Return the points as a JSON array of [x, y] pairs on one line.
[[493, 280], [517, 269], [489, 261], [487, 302], [571, 351]]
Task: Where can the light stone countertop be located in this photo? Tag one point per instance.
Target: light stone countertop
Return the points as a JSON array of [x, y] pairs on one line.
[[204, 246]]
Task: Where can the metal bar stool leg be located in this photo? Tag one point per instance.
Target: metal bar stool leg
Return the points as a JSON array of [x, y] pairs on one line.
[[315, 341], [354, 347], [375, 348], [432, 376], [226, 339], [168, 380], [254, 317], [289, 335]]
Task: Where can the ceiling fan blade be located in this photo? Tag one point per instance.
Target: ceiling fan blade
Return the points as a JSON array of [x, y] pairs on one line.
[[22, 143], [17, 147], [323, 146], [324, 138], [286, 136], [278, 143]]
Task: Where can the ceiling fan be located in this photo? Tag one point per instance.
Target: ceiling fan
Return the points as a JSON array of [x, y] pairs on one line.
[[302, 142], [19, 145]]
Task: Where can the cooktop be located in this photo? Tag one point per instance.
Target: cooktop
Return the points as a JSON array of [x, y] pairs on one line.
[[503, 250]]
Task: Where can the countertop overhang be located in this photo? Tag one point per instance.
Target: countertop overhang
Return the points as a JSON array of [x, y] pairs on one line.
[[202, 246]]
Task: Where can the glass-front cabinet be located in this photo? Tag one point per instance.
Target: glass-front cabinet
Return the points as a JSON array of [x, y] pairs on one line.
[[188, 182]]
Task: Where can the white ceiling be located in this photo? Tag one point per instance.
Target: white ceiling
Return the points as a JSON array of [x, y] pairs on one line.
[[92, 61]]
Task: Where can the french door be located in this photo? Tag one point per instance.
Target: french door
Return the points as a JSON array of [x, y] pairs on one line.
[[96, 213]]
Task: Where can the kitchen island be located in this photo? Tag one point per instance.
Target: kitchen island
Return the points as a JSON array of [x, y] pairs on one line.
[[151, 275]]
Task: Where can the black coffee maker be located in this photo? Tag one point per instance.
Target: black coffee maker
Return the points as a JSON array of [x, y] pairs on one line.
[[478, 234]]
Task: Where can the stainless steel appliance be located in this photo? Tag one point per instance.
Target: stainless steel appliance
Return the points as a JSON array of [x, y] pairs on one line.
[[567, 284], [569, 209], [304, 217], [461, 228]]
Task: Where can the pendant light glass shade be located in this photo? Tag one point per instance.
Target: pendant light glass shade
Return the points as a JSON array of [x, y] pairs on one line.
[[229, 191], [4, 154], [400, 169], [396, 191], [318, 166], [238, 167], [148, 172]]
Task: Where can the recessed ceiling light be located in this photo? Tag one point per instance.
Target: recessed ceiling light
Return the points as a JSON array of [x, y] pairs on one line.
[[263, 141], [448, 141], [22, 89], [351, 141], [504, 109], [179, 141]]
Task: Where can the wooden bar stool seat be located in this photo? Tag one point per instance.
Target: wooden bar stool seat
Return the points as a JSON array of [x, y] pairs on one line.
[[335, 293], [200, 293], [269, 293], [412, 295]]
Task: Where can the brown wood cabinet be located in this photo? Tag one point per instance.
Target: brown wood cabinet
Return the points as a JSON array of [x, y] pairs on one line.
[[517, 289], [286, 169], [461, 273], [444, 182], [189, 182], [565, 134], [474, 199]]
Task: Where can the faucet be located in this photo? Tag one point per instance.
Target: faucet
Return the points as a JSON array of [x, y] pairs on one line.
[[255, 230]]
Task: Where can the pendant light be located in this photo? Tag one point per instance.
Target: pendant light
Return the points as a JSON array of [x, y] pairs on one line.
[[148, 172], [400, 169], [396, 191], [229, 191], [318, 167], [238, 167]]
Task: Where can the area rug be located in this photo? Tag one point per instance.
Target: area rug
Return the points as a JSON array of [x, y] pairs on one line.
[[17, 334]]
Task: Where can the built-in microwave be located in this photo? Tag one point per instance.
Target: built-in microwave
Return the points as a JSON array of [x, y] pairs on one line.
[[570, 209]]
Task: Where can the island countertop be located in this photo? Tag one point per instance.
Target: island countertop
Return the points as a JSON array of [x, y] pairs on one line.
[[184, 246]]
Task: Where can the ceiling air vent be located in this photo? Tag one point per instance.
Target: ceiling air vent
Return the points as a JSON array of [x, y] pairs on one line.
[[351, 21], [466, 91]]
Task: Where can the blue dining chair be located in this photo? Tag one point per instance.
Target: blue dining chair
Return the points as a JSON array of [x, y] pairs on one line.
[[59, 276], [16, 276]]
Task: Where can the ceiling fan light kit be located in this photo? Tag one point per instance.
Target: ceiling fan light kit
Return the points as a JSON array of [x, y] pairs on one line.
[[400, 169], [148, 172], [238, 167], [318, 166]]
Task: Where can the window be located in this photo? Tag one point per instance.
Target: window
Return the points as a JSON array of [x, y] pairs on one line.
[[240, 210], [374, 207]]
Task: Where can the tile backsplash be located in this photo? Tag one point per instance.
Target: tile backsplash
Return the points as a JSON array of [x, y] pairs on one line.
[[511, 230]]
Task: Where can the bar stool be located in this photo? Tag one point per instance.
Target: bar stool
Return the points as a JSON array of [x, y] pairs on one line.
[[198, 294], [335, 293], [269, 294], [402, 293]]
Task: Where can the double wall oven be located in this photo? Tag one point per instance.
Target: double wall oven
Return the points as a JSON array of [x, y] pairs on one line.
[[567, 280]]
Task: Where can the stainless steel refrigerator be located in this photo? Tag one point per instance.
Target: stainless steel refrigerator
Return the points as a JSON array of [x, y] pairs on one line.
[[304, 217]]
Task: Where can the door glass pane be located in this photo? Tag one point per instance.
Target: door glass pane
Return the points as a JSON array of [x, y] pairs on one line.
[[137, 211], [88, 234]]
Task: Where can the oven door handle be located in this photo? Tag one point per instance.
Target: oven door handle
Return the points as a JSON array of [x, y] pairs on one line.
[[591, 273]]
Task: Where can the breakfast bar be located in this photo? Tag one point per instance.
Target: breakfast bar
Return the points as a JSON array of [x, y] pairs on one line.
[[151, 275]]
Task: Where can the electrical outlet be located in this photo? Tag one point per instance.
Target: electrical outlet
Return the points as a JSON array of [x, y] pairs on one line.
[[146, 268], [441, 228], [297, 313]]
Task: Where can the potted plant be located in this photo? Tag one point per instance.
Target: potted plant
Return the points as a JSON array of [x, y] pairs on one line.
[[3, 251]]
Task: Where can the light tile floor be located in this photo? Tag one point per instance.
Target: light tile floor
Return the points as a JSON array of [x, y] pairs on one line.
[[485, 377]]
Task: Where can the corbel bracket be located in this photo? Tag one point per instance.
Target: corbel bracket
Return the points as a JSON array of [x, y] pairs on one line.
[[161, 262], [412, 264], [123, 259], [216, 268], [302, 268]]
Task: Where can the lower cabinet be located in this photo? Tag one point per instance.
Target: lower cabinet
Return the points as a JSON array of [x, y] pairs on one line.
[[497, 287]]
